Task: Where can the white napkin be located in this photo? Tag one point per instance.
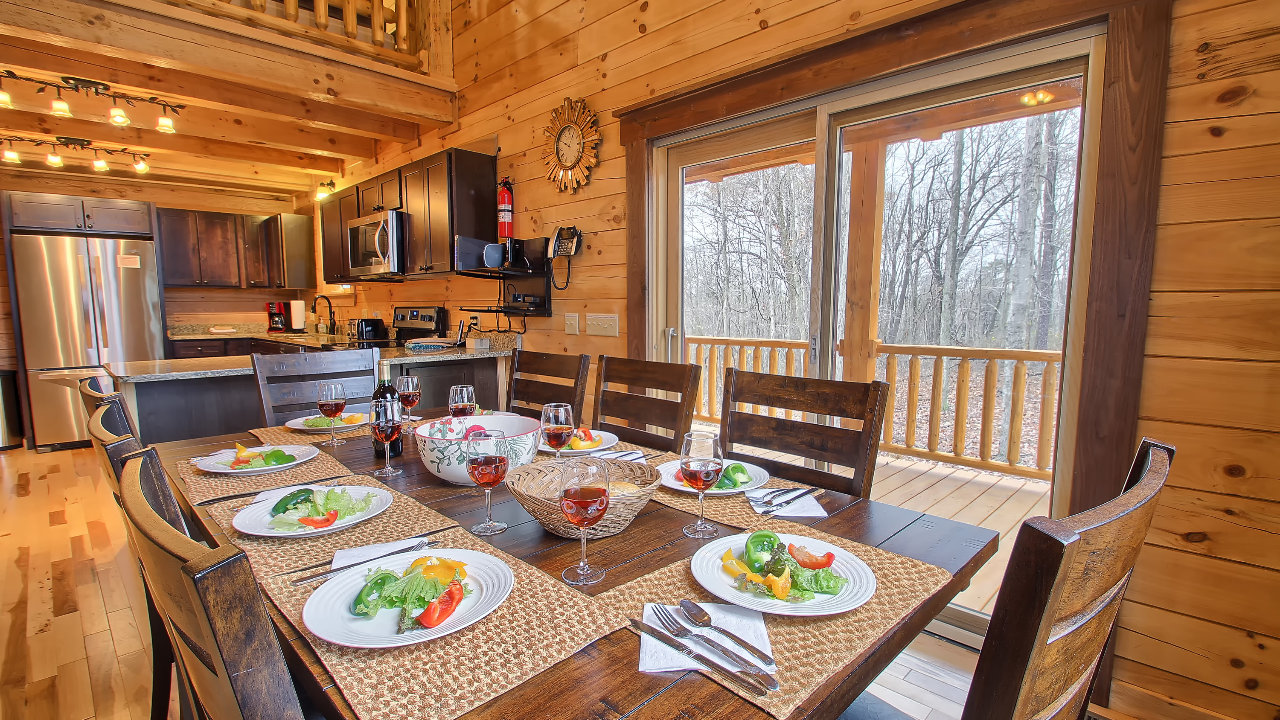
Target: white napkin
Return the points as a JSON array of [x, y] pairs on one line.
[[807, 506], [746, 624], [629, 455], [360, 554]]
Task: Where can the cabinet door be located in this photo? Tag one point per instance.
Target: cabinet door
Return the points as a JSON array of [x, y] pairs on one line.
[[46, 211], [178, 242], [370, 197], [334, 214], [117, 216], [295, 247], [389, 190], [239, 346], [219, 249], [440, 217], [253, 251], [417, 228], [199, 348]]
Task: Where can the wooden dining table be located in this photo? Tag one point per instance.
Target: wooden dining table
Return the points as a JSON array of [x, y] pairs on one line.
[[602, 680]]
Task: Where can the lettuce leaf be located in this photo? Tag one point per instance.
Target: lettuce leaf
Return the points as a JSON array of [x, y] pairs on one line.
[[822, 581]]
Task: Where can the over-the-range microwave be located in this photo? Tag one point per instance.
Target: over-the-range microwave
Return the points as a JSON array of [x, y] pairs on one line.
[[374, 245]]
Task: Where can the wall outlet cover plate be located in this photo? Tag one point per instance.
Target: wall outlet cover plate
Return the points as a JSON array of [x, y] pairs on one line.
[[603, 325], [571, 324]]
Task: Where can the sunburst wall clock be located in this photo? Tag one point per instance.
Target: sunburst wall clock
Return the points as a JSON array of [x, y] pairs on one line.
[[569, 147]]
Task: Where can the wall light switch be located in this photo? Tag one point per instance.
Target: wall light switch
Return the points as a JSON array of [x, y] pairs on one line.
[[606, 325], [571, 323]]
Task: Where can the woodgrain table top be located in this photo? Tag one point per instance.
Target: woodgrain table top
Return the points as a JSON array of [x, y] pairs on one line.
[[601, 680]]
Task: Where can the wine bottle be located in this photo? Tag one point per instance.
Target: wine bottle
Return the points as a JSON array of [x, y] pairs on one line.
[[385, 391]]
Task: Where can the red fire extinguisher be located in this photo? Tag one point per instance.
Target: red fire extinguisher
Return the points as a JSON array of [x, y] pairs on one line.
[[506, 201]]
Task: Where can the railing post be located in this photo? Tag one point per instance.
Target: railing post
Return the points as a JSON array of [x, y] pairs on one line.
[[1048, 415], [913, 398], [1019, 394], [713, 397], [349, 18], [935, 402], [377, 25], [962, 407], [891, 379], [322, 14], [989, 407], [291, 10], [402, 25]]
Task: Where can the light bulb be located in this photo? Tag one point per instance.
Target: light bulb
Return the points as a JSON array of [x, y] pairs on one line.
[[11, 156], [164, 124], [54, 159], [321, 193], [1028, 99], [100, 165], [118, 117], [1043, 96], [141, 165], [5, 100], [60, 108]]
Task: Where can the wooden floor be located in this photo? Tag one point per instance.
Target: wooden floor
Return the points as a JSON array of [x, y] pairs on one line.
[[75, 626]]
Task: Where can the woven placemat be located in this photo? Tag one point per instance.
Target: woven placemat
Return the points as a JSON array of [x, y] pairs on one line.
[[809, 650], [281, 435], [542, 622], [203, 486], [405, 518]]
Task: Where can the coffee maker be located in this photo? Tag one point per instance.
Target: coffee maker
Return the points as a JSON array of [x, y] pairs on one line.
[[276, 317]]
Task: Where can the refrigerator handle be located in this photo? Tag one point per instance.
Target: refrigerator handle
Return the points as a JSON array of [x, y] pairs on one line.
[[86, 290]]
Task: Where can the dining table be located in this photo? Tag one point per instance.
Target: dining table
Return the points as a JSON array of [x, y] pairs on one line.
[[599, 679]]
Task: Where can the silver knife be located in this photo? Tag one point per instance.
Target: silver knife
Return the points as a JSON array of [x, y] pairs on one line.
[[745, 682], [251, 493], [775, 508], [323, 563], [320, 575]]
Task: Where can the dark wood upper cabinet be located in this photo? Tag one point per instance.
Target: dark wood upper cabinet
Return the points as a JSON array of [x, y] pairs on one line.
[[177, 236], [219, 249], [335, 212], [253, 251], [291, 257], [380, 193], [117, 216], [447, 194]]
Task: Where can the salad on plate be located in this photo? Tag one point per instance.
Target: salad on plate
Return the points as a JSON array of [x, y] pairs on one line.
[[425, 594], [246, 459], [770, 568], [319, 421], [733, 476], [314, 509]]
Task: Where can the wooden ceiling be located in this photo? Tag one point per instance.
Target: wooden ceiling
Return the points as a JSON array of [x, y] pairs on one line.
[[265, 113]]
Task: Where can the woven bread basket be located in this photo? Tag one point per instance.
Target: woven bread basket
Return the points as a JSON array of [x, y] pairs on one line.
[[536, 487]]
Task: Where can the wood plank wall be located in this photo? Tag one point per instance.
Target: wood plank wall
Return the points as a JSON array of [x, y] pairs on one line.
[[1200, 629]]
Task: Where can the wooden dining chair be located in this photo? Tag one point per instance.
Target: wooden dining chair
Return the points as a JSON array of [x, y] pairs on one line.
[[528, 388], [836, 443], [288, 384], [1057, 606], [623, 388], [95, 390], [110, 435], [209, 602]]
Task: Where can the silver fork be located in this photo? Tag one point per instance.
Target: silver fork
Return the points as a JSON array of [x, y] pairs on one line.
[[678, 629]]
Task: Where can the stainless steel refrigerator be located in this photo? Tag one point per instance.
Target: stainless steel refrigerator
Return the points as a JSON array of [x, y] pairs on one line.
[[82, 302]]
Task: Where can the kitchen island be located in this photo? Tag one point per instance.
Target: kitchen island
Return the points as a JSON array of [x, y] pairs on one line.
[[192, 397]]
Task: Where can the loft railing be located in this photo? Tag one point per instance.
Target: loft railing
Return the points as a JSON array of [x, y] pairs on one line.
[[411, 34], [1008, 396]]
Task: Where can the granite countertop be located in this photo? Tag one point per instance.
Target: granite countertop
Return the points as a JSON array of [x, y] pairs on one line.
[[312, 340], [200, 368]]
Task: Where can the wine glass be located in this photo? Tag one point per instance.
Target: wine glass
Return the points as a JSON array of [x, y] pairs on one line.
[[487, 466], [700, 464], [557, 425], [410, 393], [384, 425], [584, 500], [462, 401], [332, 400]]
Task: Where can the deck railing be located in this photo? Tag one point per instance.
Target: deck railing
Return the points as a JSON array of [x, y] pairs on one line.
[[937, 396], [405, 33]]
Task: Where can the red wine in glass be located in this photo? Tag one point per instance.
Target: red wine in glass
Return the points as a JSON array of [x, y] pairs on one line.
[[331, 408], [701, 475], [410, 399], [557, 436], [487, 470], [385, 432], [460, 409], [584, 506]]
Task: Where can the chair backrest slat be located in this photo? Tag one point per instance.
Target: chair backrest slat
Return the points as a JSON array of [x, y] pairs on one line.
[[846, 404], [1059, 601], [528, 389], [214, 613], [288, 384], [622, 393], [109, 433]]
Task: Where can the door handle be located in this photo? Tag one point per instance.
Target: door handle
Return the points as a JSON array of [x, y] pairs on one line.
[[671, 334], [377, 245]]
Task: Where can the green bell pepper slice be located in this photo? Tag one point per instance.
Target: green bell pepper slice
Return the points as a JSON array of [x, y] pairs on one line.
[[296, 497], [760, 545], [368, 601]]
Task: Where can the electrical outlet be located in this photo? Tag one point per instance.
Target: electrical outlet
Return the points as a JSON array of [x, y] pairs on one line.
[[571, 323], [377, 314], [605, 325], [475, 320]]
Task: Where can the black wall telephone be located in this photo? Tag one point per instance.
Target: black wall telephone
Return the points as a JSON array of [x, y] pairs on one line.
[[567, 241]]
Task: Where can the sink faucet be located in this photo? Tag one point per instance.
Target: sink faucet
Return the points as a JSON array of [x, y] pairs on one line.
[[315, 303]]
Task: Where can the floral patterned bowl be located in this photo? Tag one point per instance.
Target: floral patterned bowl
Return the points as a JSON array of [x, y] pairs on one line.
[[443, 448]]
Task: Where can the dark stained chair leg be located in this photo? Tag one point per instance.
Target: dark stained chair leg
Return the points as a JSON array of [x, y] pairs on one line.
[[161, 663]]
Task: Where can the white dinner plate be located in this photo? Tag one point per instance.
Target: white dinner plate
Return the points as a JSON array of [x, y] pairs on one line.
[[759, 476], [297, 424], [218, 462], [328, 614], [711, 575], [608, 438], [256, 518]]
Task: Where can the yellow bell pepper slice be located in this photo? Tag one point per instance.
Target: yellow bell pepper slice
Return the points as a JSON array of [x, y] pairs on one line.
[[442, 569], [779, 586], [735, 567]]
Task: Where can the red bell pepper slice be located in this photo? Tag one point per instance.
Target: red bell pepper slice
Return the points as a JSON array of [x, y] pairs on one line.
[[320, 522], [808, 560], [442, 607]]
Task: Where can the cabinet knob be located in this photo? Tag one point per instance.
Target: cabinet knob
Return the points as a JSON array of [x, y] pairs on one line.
[[424, 268]]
